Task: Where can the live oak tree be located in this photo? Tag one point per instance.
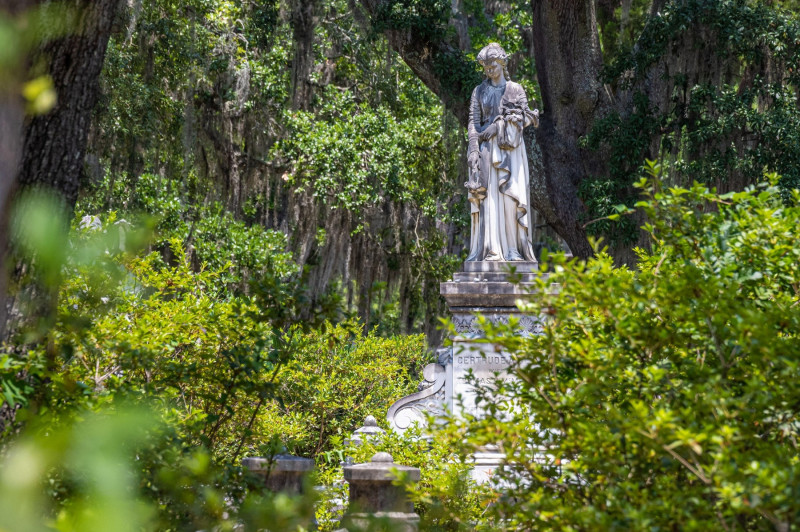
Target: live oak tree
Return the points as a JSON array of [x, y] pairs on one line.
[[56, 58], [282, 145], [278, 111], [262, 106], [692, 81], [290, 116], [55, 142]]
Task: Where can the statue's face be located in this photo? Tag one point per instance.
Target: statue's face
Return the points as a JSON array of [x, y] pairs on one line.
[[493, 69]]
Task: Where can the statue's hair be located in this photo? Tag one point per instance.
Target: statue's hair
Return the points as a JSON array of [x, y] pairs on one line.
[[494, 51]]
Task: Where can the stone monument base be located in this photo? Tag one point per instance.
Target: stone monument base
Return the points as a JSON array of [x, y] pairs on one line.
[[486, 462], [489, 289], [282, 473]]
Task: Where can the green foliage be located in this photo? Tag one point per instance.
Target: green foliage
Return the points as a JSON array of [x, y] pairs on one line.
[[664, 397], [263, 24], [24, 32], [40, 234], [193, 124], [241, 253], [766, 30], [725, 114], [456, 70], [627, 141], [446, 497], [125, 469], [356, 156], [226, 375], [426, 18], [723, 124], [506, 27], [167, 334], [338, 376], [619, 30]]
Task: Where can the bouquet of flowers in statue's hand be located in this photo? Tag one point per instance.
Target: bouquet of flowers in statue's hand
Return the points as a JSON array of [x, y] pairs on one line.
[[474, 184], [510, 124]]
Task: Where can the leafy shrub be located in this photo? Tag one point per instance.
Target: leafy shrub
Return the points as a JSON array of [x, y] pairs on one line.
[[446, 497], [167, 333], [339, 375], [211, 236], [220, 375], [125, 469], [665, 397]]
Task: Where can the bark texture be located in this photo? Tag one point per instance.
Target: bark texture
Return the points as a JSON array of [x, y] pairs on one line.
[[48, 150], [14, 7], [11, 130], [11, 122], [55, 143], [303, 23], [568, 59]]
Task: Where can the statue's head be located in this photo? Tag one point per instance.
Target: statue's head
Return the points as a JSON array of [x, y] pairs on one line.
[[493, 53]]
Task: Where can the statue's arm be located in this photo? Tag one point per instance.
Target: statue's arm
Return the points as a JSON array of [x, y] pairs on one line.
[[474, 124]]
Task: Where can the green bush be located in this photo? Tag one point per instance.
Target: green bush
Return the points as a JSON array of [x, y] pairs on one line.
[[446, 497], [126, 469], [212, 374], [339, 376], [666, 397]]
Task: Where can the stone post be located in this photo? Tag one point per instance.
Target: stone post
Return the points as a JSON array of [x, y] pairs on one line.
[[370, 432], [282, 474], [373, 496]]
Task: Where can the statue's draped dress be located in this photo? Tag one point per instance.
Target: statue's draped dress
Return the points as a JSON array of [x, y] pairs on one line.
[[501, 220]]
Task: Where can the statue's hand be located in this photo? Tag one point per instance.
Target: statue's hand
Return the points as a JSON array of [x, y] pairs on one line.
[[488, 133]]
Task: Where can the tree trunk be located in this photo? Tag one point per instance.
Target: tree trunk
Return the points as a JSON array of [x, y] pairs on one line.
[[568, 63], [49, 149], [11, 123], [303, 23], [55, 142], [11, 130]]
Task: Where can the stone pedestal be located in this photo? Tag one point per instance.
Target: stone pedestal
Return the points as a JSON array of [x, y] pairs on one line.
[[491, 290], [430, 399], [488, 289], [485, 462], [374, 497], [283, 473]]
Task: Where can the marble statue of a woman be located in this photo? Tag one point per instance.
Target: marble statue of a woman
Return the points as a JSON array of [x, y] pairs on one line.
[[498, 164]]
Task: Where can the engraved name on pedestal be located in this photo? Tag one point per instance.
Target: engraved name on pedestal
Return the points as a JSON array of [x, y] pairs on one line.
[[485, 364]]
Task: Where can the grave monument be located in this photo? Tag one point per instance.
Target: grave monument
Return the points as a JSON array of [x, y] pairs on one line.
[[500, 250]]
